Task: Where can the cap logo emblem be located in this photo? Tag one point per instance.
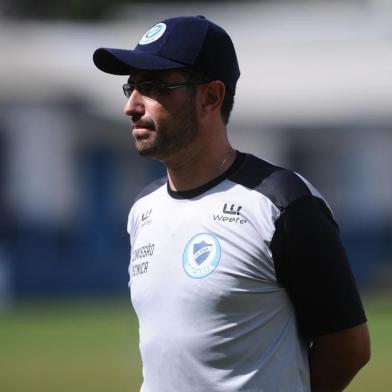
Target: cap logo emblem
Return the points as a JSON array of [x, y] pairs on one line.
[[153, 34]]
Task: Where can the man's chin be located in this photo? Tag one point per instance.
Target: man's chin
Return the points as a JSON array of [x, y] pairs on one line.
[[148, 151], [145, 153]]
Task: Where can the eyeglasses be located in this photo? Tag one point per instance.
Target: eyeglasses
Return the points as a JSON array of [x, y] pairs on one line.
[[152, 89]]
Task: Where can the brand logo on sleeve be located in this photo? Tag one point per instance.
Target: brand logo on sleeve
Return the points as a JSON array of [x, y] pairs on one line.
[[201, 255], [146, 218], [146, 214], [233, 210], [230, 214]]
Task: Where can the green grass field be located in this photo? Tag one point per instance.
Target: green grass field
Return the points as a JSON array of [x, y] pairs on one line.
[[92, 346]]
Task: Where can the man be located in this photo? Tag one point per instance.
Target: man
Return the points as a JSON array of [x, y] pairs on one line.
[[237, 273]]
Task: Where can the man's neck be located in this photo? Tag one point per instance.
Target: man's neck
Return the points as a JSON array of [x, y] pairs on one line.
[[198, 167]]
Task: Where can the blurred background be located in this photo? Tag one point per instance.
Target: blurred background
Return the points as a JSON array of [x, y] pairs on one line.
[[315, 95]]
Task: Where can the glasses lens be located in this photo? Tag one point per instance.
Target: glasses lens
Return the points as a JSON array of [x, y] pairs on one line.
[[144, 88], [148, 89], [128, 88], [152, 89]]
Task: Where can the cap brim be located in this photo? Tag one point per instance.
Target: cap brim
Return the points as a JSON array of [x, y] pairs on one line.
[[123, 61]]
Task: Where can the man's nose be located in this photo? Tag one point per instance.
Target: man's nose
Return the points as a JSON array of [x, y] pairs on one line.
[[134, 104]]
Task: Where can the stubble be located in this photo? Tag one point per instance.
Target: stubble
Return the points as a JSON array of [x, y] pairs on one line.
[[171, 134]]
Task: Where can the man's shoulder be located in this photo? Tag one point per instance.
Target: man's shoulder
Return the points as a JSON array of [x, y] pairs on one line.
[[151, 188], [282, 186]]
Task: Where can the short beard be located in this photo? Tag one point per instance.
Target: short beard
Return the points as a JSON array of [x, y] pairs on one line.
[[174, 136]]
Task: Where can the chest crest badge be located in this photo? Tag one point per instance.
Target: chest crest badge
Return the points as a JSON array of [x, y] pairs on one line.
[[201, 255]]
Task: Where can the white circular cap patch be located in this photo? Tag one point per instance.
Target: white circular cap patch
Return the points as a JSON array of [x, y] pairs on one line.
[[153, 34]]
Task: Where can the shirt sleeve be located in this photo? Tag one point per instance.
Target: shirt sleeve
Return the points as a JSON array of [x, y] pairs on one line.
[[311, 263]]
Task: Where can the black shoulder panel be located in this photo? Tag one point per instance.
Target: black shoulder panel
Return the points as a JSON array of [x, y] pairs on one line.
[[280, 185]]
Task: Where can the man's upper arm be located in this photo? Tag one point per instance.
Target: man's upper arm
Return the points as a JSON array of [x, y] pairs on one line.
[[311, 263]]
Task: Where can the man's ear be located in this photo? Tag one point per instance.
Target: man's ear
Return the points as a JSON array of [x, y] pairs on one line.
[[212, 95]]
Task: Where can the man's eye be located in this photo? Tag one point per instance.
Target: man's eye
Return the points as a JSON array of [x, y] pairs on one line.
[[146, 88], [152, 88]]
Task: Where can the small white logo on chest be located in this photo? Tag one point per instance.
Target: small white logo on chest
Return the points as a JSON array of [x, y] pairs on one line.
[[146, 218]]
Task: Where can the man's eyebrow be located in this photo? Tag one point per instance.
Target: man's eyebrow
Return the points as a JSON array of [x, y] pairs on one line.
[[145, 77]]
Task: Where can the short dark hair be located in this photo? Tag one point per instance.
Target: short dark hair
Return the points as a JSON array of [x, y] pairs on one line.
[[228, 101]]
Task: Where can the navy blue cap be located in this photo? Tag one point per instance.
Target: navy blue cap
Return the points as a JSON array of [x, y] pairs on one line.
[[175, 43]]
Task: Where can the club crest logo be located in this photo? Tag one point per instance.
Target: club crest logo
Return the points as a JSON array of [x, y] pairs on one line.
[[153, 34], [201, 255]]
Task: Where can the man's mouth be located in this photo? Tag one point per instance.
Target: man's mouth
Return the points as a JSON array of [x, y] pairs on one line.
[[143, 125], [142, 130]]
